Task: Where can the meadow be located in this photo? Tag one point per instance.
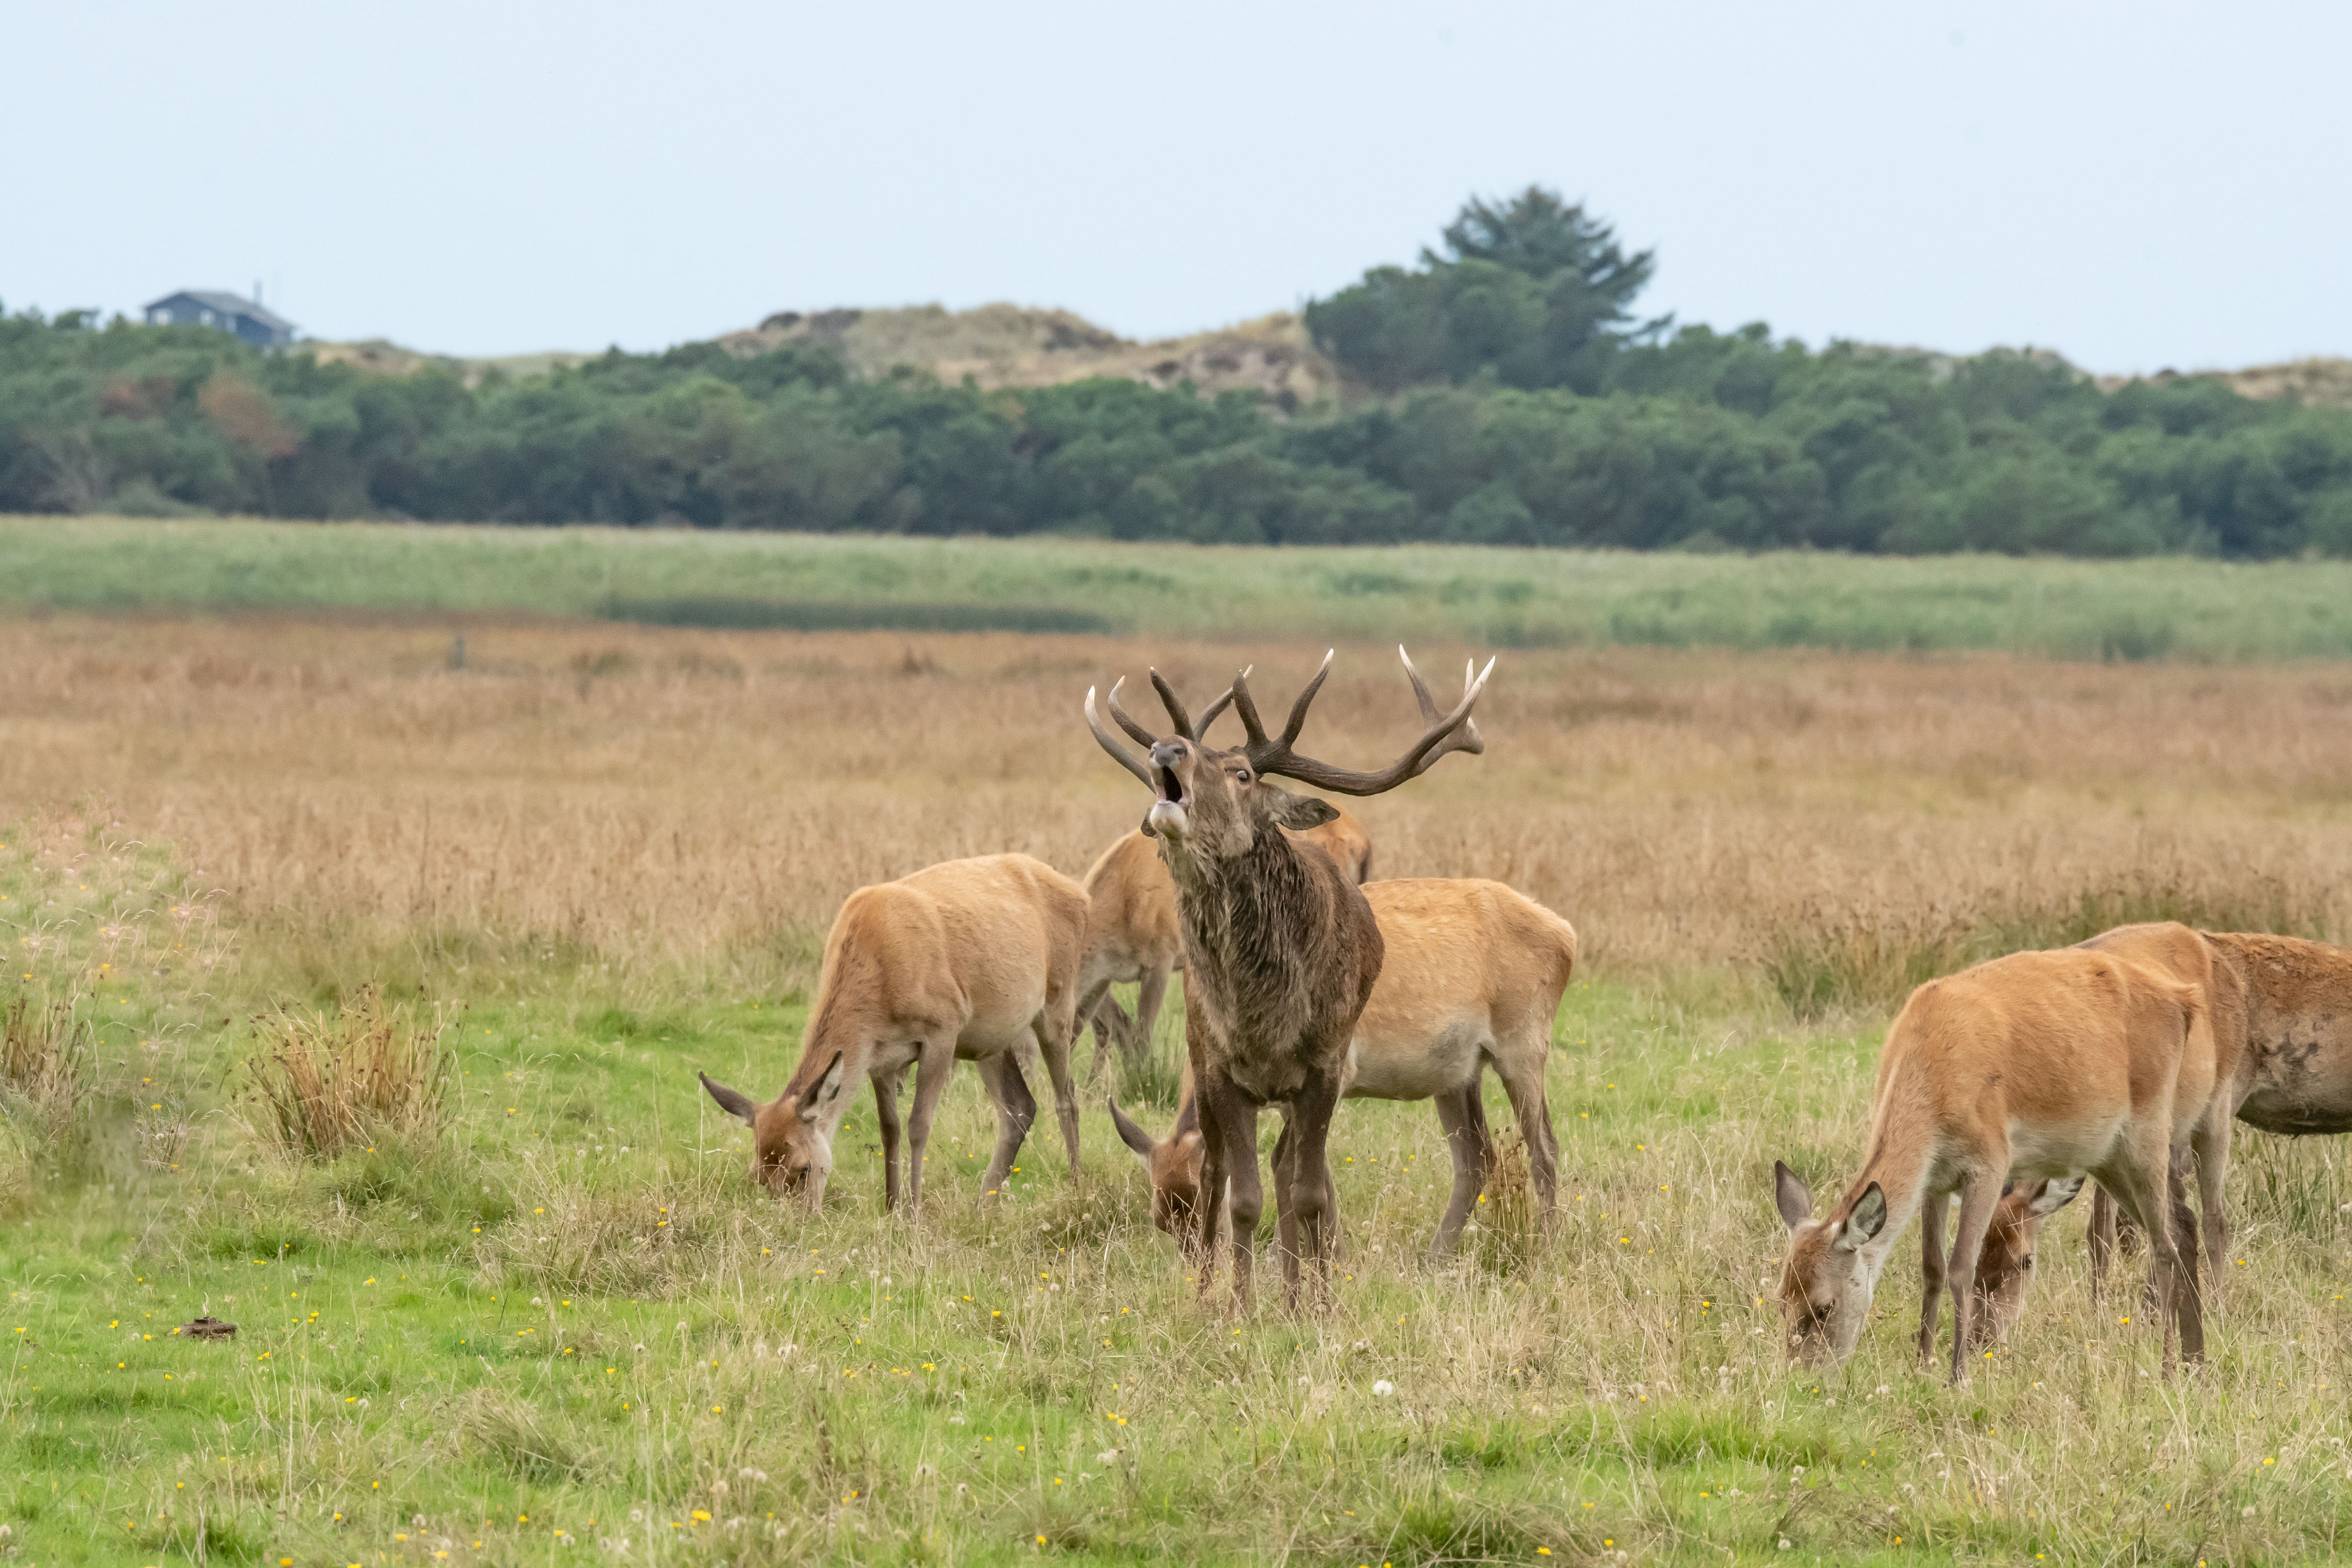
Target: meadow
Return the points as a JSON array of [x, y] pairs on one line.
[[2184, 608], [546, 1317]]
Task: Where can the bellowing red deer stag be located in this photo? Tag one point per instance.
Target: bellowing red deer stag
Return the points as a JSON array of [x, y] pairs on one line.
[[2041, 1064], [1131, 932], [1280, 953], [966, 961], [1472, 976]]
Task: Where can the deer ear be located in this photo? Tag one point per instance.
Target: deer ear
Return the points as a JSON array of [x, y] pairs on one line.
[[1865, 1220], [1794, 1198], [738, 1105], [2053, 1196], [1300, 812], [1146, 828], [823, 1093], [1134, 1137]]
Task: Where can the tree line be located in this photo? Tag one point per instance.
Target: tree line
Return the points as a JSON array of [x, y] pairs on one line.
[[1505, 393]]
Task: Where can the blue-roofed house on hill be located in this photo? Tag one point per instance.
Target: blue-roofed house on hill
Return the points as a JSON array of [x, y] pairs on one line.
[[228, 312]]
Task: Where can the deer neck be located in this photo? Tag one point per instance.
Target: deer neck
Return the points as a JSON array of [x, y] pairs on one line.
[[1257, 932], [1902, 1154]]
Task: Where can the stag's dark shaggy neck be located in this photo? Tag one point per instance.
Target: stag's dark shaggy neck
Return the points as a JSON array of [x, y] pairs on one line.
[[1280, 950]]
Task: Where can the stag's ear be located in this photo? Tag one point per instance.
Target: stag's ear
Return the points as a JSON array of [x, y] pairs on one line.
[[1300, 812], [1865, 1220], [1795, 1199], [2053, 1196], [823, 1093], [1134, 1137], [738, 1105]]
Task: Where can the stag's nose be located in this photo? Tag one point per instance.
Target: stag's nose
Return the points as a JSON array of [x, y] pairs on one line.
[[1167, 754]]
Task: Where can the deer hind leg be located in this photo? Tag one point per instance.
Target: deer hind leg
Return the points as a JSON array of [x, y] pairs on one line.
[[1016, 1109], [1053, 1044], [2142, 1181], [1979, 1195], [1100, 1011], [932, 1071], [1523, 1080], [1931, 1271], [886, 1116], [2102, 1238], [2211, 1141], [1136, 1049], [1469, 1168], [2188, 1296]]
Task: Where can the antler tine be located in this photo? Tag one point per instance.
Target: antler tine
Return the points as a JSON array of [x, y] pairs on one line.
[[1209, 714], [1240, 693], [1466, 738], [1109, 743], [1297, 720], [1135, 732], [1279, 759], [1175, 706]]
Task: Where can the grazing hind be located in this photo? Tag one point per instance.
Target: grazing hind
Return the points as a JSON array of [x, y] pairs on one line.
[[969, 960], [2039, 1064]]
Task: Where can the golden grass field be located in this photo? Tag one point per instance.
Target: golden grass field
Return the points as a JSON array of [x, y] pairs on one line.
[[617, 851]]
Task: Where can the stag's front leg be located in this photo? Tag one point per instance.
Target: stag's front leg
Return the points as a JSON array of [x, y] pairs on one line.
[[932, 1071], [1229, 1138], [1312, 1198], [1285, 1213]]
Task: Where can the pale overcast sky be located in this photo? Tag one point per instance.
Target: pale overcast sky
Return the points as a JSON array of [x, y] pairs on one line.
[[2136, 185]]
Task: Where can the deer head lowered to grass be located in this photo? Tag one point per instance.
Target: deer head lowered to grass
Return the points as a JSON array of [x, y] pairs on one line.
[[1280, 950], [2037, 1064], [967, 959]]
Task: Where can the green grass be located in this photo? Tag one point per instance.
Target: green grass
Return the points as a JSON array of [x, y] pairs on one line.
[[2177, 608], [571, 1319]]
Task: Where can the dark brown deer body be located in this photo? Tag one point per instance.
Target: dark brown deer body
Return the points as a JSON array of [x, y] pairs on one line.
[[1280, 951]]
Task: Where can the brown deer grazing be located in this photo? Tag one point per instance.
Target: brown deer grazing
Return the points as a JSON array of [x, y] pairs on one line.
[[1131, 932], [1472, 978], [969, 960], [2282, 1011], [2041, 1064], [2005, 1266], [1280, 953]]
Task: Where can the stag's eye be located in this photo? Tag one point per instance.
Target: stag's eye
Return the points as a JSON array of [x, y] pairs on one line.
[[1240, 775]]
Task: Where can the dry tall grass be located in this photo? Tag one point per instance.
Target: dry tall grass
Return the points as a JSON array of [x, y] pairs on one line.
[[325, 1084], [705, 800]]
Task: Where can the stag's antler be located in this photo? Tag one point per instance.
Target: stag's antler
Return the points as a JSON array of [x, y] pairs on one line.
[[1145, 738], [1274, 755], [1466, 738]]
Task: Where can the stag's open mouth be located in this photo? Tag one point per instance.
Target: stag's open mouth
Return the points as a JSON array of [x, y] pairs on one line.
[[1167, 814]]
